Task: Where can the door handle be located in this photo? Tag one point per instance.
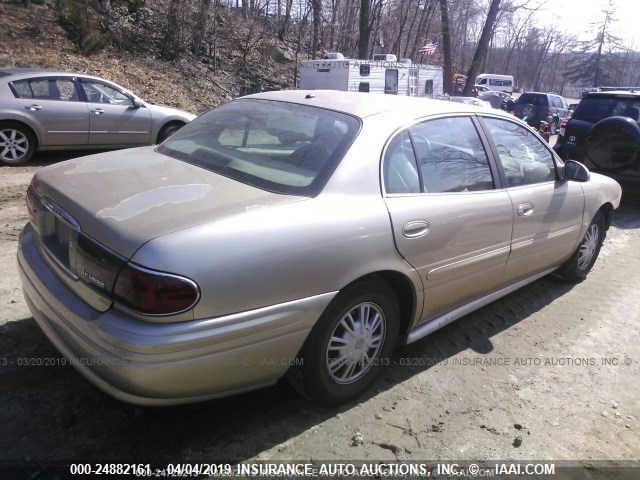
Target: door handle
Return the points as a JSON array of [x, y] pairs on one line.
[[415, 228], [98, 111], [34, 108], [525, 209]]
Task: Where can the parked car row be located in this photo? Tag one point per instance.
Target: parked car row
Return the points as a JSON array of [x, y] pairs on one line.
[[313, 225], [44, 110]]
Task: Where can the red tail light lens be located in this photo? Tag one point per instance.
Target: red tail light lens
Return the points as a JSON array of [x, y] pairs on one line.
[[155, 293], [563, 128]]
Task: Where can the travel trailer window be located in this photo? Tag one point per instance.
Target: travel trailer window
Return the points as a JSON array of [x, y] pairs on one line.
[[363, 87], [365, 70], [428, 87], [391, 81]]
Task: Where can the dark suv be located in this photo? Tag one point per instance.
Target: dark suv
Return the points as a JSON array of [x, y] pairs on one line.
[[534, 107], [604, 134]]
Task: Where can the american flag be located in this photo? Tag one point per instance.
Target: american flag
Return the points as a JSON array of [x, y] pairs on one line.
[[430, 48]]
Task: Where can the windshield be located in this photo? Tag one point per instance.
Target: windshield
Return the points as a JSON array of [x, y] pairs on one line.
[[278, 146], [593, 109]]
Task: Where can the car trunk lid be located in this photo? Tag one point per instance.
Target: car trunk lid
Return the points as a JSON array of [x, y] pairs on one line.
[[94, 212]]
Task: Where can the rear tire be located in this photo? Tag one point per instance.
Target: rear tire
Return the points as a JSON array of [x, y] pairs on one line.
[[582, 261], [17, 143], [168, 130], [350, 344]]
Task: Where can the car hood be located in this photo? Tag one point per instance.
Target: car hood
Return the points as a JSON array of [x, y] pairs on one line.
[[161, 110], [128, 197]]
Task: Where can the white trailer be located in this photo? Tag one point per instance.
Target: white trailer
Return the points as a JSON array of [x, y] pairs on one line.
[[382, 74]]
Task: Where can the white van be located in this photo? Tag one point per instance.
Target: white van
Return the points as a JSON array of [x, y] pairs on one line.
[[501, 83]]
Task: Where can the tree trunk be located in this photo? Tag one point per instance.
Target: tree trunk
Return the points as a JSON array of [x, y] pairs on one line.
[[365, 29], [200, 26], [170, 45], [285, 23], [447, 74], [317, 18], [483, 45]]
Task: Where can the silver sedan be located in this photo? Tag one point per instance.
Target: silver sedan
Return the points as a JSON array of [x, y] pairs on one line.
[[297, 233], [44, 110]]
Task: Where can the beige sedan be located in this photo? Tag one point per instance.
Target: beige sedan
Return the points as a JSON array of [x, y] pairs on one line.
[[297, 233]]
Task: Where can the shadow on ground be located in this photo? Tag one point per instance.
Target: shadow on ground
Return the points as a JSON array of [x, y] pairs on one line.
[[52, 413]]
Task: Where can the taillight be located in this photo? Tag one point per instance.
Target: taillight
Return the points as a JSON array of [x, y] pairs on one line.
[[563, 127], [154, 293], [33, 206]]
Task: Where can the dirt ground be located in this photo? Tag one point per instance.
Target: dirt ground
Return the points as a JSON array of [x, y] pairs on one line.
[[549, 372]]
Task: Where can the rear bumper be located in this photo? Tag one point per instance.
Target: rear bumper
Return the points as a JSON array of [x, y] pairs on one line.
[[163, 364]]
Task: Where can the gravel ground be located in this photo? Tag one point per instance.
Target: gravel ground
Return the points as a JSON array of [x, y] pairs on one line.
[[549, 372]]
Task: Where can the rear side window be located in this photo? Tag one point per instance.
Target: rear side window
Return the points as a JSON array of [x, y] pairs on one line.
[[524, 158], [400, 169], [279, 146], [63, 89], [593, 109], [450, 156], [539, 100]]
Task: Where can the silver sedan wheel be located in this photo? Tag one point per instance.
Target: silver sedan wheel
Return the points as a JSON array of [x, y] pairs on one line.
[[588, 246], [14, 145], [355, 343]]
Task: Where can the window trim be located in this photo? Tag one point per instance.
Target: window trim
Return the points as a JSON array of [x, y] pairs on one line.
[[489, 152], [496, 155], [81, 80], [72, 79]]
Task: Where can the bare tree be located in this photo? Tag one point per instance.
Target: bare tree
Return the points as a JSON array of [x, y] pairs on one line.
[[200, 26], [483, 45], [447, 75], [365, 29], [317, 20]]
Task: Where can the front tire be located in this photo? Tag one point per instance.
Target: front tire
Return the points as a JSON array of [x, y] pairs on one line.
[[582, 261], [350, 344], [169, 130], [17, 143]]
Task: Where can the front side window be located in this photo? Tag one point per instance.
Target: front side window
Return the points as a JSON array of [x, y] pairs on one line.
[[278, 146], [63, 89], [98, 92], [451, 156], [524, 158]]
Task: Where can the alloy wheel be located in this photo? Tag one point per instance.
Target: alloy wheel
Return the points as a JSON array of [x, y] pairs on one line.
[[355, 343], [14, 145], [588, 247]]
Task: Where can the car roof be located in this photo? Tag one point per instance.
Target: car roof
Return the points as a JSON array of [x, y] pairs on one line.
[[366, 104], [614, 93], [15, 73]]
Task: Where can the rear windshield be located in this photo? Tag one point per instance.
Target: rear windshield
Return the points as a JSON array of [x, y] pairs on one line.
[[278, 146], [537, 99], [593, 109]]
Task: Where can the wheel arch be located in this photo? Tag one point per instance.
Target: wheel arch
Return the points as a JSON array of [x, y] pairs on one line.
[[25, 124], [607, 210], [405, 292], [171, 121]]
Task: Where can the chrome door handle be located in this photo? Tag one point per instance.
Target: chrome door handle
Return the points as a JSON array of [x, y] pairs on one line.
[[415, 228], [98, 111], [34, 108], [525, 209]]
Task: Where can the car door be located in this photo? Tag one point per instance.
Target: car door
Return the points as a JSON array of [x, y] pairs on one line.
[[547, 210], [53, 103], [449, 221], [115, 119]]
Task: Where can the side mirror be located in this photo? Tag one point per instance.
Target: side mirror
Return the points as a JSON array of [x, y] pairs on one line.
[[137, 103], [575, 171]]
